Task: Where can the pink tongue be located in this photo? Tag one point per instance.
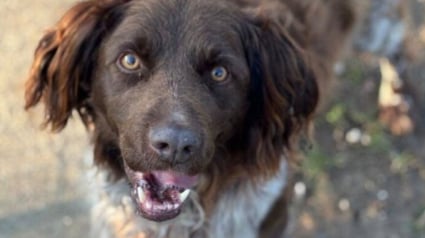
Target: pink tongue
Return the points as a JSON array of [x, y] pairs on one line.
[[175, 179]]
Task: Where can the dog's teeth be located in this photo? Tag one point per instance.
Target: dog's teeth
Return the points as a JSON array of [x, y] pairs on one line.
[[183, 196], [148, 205], [140, 194]]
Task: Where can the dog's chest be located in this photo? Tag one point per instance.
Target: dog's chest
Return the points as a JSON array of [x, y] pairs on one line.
[[238, 212], [241, 209]]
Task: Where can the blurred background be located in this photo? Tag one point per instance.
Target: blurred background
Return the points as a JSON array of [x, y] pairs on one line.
[[363, 176], [40, 173]]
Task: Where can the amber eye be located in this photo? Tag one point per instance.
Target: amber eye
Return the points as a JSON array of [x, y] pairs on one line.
[[219, 73], [130, 61]]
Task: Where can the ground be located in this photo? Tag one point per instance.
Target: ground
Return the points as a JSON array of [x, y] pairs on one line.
[[361, 180]]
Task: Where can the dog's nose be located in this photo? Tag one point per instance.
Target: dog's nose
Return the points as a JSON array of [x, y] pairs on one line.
[[174, 144]]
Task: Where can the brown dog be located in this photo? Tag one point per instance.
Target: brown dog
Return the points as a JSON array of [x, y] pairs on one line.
[[198, 105]]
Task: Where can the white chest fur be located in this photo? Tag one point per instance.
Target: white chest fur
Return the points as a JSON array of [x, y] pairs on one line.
[[238, 212], [242, 208]]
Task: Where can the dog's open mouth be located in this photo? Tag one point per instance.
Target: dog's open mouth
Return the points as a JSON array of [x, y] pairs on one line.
[[159, 195]]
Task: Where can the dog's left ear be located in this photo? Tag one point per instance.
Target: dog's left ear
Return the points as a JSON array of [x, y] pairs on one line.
[[65, 60], [283, 93]]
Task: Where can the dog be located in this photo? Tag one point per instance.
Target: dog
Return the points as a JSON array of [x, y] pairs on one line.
[[196, 107]]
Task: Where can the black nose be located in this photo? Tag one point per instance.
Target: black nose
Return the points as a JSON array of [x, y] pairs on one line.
[[174, 144]]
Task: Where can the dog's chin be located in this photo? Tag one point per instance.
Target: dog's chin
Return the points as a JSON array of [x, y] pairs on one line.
[[160, 195]]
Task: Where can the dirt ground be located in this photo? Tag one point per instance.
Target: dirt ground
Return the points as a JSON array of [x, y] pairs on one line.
[[373, 188]]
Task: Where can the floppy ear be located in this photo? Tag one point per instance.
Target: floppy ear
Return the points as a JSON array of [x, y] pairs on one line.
[[283, 93], [65, 60]]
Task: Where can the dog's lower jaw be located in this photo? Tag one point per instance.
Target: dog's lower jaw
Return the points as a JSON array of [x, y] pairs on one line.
[[159, 195], [238, 212]]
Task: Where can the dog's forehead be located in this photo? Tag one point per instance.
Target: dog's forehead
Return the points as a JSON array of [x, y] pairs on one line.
[[176, 12], [178, 21]]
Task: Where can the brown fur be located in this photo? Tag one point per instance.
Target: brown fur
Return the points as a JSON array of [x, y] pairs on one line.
[[281, 53]]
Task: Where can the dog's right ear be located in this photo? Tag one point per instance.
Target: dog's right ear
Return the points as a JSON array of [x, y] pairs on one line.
[[65, 60]]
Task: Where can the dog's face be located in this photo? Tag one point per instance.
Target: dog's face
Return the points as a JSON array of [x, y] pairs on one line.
[[176, 90], [172, 89]]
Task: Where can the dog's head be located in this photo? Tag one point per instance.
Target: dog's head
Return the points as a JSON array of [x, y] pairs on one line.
[[176, 90]]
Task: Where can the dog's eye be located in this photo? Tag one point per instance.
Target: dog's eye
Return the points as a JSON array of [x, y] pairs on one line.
[[219, 73], [130, 61]]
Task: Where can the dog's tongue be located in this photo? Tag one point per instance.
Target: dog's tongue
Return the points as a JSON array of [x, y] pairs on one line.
[[159, 195], [171, 178]]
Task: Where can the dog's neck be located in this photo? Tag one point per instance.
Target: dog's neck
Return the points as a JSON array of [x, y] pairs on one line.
[[238, 212], [241, 209]]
